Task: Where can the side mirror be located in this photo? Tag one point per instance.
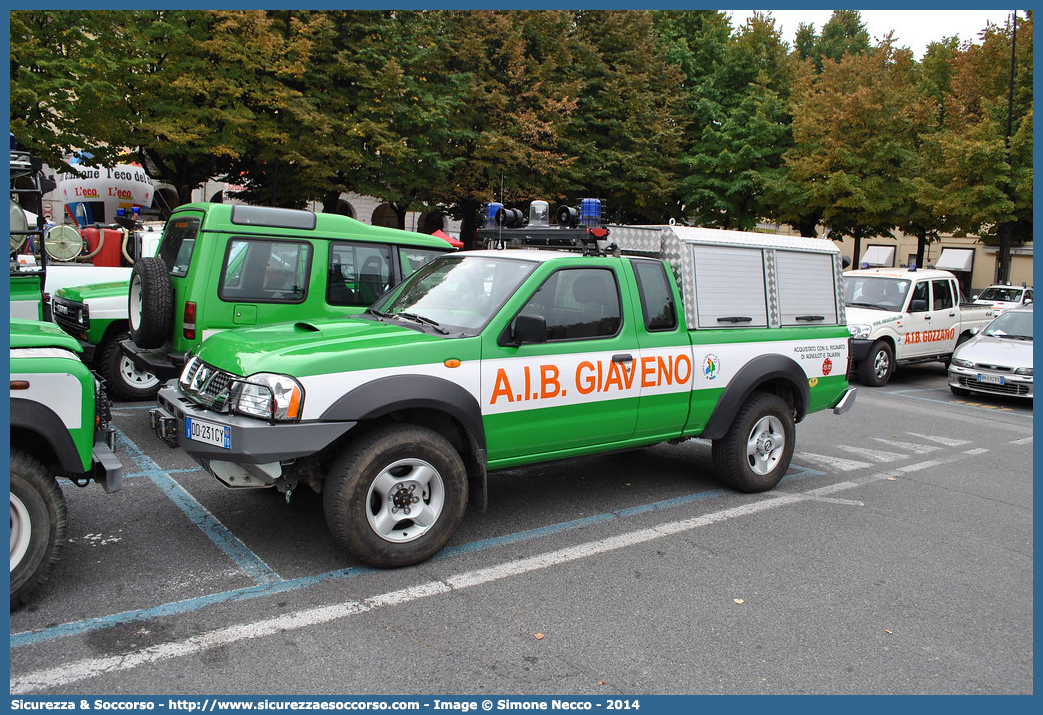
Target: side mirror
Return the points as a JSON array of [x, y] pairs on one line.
[[974, 297], [1028, 301], [975, 330], [528, 329], [918, 306]]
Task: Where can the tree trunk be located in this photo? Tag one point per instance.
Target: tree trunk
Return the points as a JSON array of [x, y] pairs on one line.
[[400, 214], [184, 194], [330, 201], [469, 224], [921, 248]]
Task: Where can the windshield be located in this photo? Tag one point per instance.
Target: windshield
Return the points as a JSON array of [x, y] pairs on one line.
[[455, 293], [1007, 295], [878, 293], [1015, 325]]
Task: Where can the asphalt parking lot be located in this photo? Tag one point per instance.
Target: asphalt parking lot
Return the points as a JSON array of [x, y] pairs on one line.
[[895, 557]]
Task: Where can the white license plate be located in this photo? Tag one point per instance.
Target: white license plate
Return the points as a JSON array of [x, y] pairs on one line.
[[208, 433], [991, 379]]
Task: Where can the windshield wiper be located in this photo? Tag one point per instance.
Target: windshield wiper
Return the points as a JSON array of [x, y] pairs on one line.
[[374, 311], [870, 305], [424, 321]]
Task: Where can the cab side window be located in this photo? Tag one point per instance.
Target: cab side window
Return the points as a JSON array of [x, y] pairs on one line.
[[943, 295], [578, 303], [921, 292], [657, 302]]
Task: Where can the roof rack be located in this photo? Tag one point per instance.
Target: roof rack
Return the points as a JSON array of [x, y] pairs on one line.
[[583, 240]]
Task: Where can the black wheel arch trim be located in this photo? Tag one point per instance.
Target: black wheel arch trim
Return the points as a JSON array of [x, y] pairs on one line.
[[393, 394], [758, 371], [45, 423]]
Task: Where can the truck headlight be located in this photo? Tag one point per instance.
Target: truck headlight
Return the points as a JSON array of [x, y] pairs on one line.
[[860, 332], [271, 397], [960, 362]]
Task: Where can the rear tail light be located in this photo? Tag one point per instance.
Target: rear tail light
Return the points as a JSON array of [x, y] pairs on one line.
[[189, 321]]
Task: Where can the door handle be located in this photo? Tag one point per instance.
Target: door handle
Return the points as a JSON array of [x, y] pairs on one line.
[[623, 357]]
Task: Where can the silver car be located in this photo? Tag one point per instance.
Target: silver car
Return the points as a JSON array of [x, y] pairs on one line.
[[998, 360]]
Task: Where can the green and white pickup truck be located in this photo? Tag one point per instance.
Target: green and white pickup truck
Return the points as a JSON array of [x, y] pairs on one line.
[[490, 359], [59, 427]]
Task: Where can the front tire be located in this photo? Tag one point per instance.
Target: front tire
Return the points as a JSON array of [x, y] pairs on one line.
[[396, 496], [39, 518], [122, 378], [878, 366], [755, 452]]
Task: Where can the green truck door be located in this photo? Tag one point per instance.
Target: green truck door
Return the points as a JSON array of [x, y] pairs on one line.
[[664, 367], [577, 389]]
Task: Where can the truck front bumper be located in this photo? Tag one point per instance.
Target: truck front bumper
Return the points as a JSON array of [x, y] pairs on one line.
[[254, 449]]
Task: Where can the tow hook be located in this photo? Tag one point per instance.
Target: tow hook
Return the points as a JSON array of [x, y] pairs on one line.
[[164, 426]]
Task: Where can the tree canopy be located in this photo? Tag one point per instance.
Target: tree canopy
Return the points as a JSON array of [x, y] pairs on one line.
[[663, 114]]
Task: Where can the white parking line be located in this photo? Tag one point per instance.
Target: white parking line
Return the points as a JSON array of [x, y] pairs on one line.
[[91, 667]]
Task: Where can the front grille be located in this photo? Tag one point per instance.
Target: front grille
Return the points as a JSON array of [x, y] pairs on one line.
[[992, 368], [70, 317], [1016, 389], [207, 385]]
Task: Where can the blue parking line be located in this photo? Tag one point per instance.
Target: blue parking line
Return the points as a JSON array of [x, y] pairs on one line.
[[65, 630], [251, 564]]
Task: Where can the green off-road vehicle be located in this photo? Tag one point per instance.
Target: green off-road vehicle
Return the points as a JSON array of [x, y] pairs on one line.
[[498, 358], [59, 427], [223, 266]]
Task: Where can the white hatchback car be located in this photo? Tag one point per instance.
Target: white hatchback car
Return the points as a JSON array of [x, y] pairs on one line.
[[998, 360]]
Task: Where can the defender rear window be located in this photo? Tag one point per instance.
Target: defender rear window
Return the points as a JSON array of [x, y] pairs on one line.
[[265, 271], [358, 273], [412, 259], [178, 244]]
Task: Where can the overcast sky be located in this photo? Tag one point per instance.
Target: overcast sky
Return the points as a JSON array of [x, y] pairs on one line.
[[914, 29]]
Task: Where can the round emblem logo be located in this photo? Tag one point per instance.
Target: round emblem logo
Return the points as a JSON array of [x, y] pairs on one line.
[[827, 366], [711, 366]]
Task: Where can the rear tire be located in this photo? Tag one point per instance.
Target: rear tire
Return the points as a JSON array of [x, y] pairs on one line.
[[122, 379], [878, 366], [39, 518], [150, 305], [755, 452], [396, 496]]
